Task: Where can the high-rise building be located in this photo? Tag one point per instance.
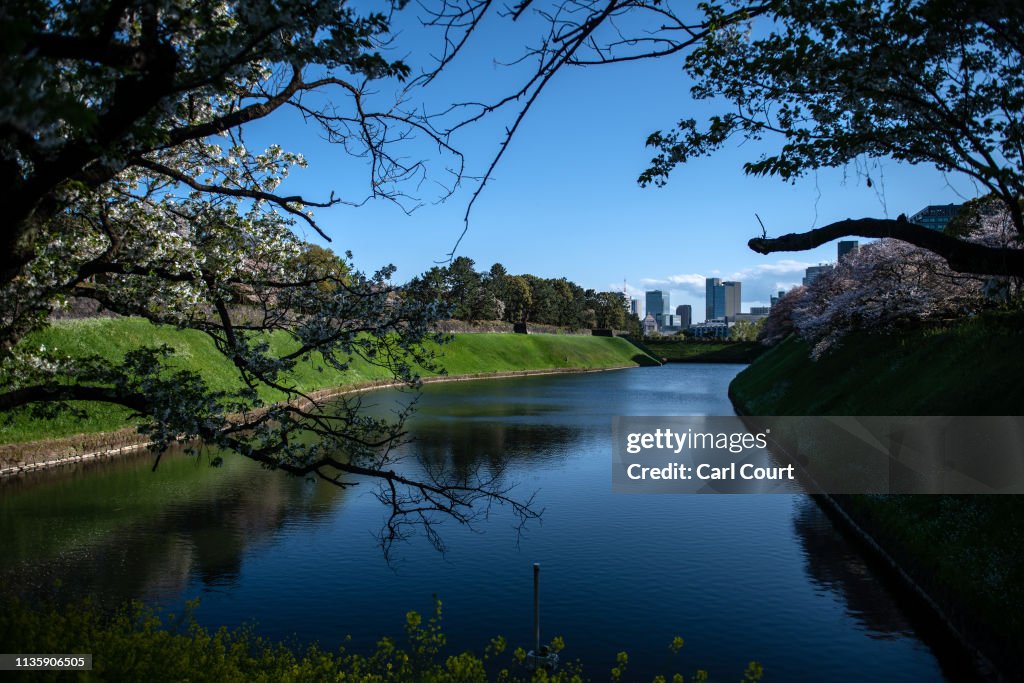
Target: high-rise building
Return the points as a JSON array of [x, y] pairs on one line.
[[814, 272], [935, 216], [634, 306], [657, 304], [722, 299], [714, 298], [775, 299], [685, 313], [847, 247], [732, 299]]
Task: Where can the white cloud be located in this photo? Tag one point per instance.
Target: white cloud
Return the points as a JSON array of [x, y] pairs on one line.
[[688, 281], [694, 280], [784, 267]]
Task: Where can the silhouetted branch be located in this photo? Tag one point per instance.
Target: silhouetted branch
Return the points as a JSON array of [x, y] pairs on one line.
[[962, 256]]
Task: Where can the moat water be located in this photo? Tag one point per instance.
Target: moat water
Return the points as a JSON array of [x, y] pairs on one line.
[[754, 577]]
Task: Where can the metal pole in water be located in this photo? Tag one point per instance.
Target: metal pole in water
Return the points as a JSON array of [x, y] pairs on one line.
[[539, 657], [536, 607]]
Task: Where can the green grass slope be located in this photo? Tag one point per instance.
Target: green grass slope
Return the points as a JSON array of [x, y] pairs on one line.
[[973, 367], [466, 354], [965, 551], [484, 353], [676, 351]]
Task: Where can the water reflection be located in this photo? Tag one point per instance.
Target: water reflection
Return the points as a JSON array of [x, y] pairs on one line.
[[741, 577], [490, 446], [868, 593], [834, 565], [116, 529]]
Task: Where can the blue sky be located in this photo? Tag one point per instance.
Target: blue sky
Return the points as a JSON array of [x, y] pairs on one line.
[[564, 201]]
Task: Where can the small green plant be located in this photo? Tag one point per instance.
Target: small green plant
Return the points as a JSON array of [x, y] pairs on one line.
[[136, 642]]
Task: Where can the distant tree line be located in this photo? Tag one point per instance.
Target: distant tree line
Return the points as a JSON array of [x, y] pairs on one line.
[[495, 294]]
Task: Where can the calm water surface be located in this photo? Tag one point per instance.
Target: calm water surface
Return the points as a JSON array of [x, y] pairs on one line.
[[741, 578]]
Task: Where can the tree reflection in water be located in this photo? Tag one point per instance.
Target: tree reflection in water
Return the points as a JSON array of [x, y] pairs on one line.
[[121, 530], [868, 591]]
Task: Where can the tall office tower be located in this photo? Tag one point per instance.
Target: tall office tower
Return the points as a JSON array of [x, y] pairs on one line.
[[685, 313], [732, 299], [814, 272], [847, 247], [657, 304], [936, 217], [714, 298], [634, 306]]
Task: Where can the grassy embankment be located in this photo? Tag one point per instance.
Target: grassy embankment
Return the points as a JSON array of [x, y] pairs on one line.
[[467, 354], [964, 551], [691, 351]]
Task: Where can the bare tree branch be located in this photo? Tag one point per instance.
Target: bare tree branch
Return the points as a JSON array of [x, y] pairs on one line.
[[962, 256]]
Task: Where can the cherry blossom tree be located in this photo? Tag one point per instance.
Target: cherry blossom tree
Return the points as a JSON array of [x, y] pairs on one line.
[[779, 323], [984, 220], [891, 284], [886, 285], [126, 180]]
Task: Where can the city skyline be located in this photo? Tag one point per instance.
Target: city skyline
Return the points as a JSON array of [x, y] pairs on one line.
[[723, 298]]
